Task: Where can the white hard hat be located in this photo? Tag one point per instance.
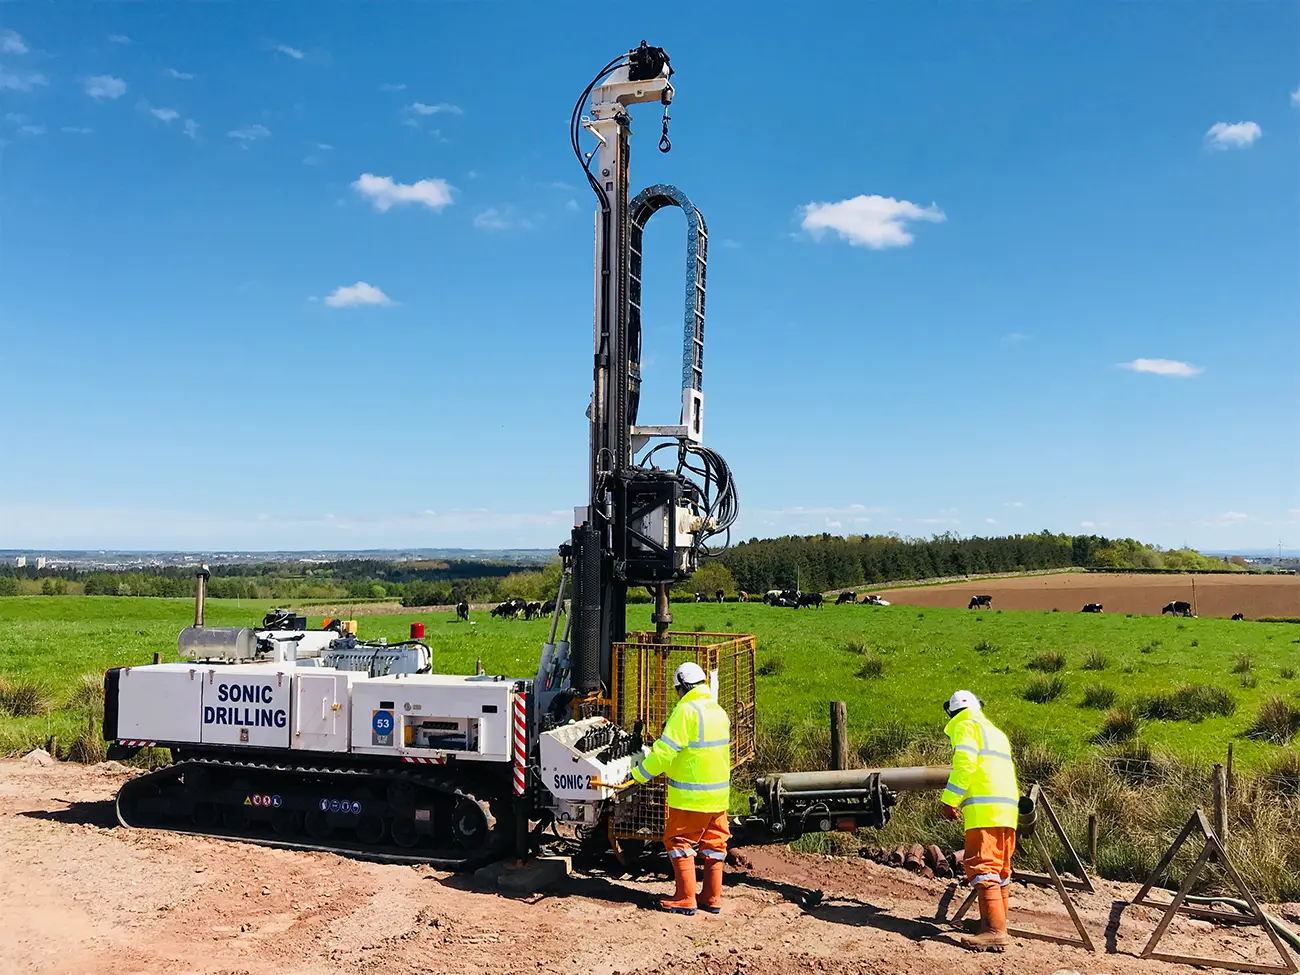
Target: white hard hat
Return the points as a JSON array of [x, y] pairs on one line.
[[961, 700], [688, 675]]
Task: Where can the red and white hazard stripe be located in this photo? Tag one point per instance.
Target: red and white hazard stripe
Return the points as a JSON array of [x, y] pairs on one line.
[[520, 738], [130, 743], [421, 760]]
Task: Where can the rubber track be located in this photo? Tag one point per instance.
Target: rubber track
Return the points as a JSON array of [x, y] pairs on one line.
[[491, 851]]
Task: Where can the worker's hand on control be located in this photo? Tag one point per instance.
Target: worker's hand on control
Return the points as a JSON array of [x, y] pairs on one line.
[[950, 812]]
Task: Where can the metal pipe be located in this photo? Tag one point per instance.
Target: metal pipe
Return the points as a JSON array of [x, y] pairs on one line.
[[663, 616], [916, 778], [201, 593]]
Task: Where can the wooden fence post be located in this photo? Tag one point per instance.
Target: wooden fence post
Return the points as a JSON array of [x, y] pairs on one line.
[[1219, 796], [157, 657], [839, 735]]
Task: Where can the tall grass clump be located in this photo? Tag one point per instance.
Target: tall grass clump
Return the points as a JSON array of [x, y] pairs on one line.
[[984, 647], [1096, 660], [1286, 673], [1040, 690], [1049, 661], [87, 694], [1277, 722], [1122, 724], [23, 699], [1192, 703], [856, 646], [1244, 664], [770, 667], [872, 667], [1098, 696]]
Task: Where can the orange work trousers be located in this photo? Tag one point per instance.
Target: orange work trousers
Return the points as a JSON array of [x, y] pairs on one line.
[[685, 830], [988, 855]]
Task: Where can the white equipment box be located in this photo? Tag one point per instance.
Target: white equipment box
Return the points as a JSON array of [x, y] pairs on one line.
[[569, 768], [433, 716]]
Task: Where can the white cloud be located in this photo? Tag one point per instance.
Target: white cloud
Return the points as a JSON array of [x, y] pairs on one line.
[[324, 147], [179, 75], [990, 521], [494, 218], [191, 128], [355, 295], [292, 52], [20, 80], [869, 221], [76, 130], [1013, 504], [166, 114], [412, 123], [250, 133], [419, 108], [1295, 96], [1231, 517], [393, 86], [16, 117], [1013, 338], [32, 130], [385, 193], [571, 205], [1233, 135], [11, 42], [118, 39], [1164, 367], [103, 86], [1087, 524]]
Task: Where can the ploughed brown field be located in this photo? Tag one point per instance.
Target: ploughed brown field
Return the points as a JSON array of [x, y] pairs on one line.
[[1215, 595]]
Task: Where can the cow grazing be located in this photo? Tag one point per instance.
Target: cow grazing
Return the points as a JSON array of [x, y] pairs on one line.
[[742, 596], [720, 595], [871, 599], [1178, 608], [548, 607], [980, 602], [810, 599], [532, 610], [1092, 607], [1238, 616], [505, 611], [701, 597], [772, 595], [462, 611], [845, 597]]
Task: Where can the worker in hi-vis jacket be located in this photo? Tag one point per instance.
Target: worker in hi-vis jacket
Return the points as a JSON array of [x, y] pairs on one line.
[[695, 752], [982, 789]]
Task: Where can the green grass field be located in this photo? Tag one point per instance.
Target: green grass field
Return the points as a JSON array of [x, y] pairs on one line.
[[806, 659]]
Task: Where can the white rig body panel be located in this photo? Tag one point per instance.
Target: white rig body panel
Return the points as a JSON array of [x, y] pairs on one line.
[[320, 709], [433, 716], [160, 702], [246, 704], [568, 773]]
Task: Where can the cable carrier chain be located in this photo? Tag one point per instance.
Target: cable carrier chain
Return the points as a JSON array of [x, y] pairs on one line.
[[311, 738]]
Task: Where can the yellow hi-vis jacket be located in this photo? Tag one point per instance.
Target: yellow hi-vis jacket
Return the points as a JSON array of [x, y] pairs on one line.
[[983, 780], [695, 751]]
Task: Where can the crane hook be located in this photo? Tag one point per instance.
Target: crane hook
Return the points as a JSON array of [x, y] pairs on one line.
[[665, 144]]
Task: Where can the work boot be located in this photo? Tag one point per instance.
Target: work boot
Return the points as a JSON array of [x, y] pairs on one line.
[[1006, 902], [993, 921], [711, 890], [683, 899]]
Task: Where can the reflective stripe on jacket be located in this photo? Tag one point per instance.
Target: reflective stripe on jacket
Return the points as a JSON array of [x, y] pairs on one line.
[[983, 780], [695, 752]]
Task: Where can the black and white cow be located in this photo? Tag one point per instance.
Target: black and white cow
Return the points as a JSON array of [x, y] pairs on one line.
[[548, 607], [810, 599], [532, 610], [1238, 616], [1092, 607], [980, 602], [845, 597], [462, 611], [1178, 608]]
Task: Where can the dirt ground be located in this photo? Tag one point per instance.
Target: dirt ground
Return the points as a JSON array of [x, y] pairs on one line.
[[1215, 595], [79, 894]]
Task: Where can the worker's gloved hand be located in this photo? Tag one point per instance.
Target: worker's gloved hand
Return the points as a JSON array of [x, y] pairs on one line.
[[950, 812]]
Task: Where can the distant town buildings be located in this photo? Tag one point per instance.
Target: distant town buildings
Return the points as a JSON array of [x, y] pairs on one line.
[[20, 562]]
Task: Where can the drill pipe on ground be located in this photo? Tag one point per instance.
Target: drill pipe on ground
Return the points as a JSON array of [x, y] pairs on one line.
[[915, 778]]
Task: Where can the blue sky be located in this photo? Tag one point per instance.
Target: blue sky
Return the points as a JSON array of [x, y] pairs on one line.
[[319, 276]]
